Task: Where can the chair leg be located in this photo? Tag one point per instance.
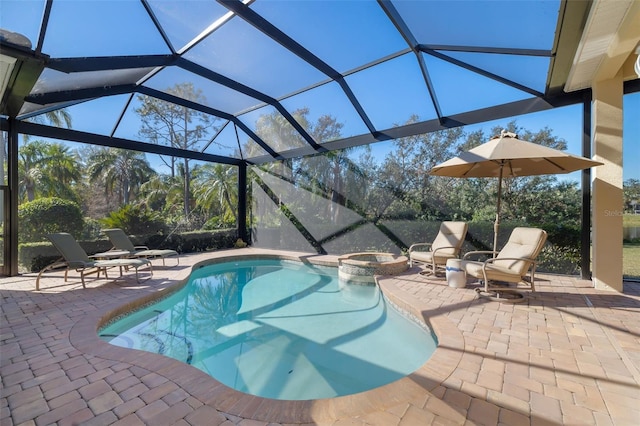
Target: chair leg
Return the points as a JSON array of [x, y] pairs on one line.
[[178, 260], [49, 268], [38, 280], [150, 272], [533, 274]]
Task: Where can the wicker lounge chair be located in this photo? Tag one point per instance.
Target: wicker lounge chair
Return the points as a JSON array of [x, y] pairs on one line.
[[512, 263], [445, 246], [74, 257], [121, 242]]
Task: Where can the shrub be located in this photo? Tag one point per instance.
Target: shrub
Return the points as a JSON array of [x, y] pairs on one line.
[[32, 257], [194, 241], [91, 230], [217, 222], [135, 220], [44, 216]]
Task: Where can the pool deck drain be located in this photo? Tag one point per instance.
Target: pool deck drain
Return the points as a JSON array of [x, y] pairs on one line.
[[569, 353]]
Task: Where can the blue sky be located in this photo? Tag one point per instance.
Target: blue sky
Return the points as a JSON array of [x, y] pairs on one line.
[[80, 28], [566, 123]]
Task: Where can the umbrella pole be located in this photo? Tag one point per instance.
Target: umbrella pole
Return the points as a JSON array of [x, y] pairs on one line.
[[496, 224]]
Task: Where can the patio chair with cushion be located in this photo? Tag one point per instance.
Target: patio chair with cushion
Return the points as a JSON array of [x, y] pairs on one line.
[[445, 246], [512, 263], [121, 242], [74, 257]]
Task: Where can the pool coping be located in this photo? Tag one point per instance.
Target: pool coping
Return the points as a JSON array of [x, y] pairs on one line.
[[446, 357]]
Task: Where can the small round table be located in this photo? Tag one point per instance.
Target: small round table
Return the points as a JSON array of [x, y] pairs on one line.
[[456, 276]]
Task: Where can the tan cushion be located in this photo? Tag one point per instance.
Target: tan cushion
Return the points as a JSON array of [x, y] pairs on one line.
[[427, 257], [494, 272], [523, 243], [451, 234]]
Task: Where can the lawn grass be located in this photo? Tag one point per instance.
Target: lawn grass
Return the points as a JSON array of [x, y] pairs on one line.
[[631, 252], [631, 220], [631, 260]]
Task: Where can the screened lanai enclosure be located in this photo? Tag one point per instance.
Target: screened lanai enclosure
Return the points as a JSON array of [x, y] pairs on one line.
[[325, 116]]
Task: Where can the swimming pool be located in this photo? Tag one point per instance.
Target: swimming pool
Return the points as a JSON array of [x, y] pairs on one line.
[[279, 329]]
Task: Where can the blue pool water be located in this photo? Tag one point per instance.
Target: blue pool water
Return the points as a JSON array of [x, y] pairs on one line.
[[280, 330]]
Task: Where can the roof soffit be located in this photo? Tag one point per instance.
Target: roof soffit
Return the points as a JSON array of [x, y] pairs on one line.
[[610, 37]]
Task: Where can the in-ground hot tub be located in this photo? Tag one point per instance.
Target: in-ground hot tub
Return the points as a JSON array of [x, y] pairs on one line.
[[361, 268]]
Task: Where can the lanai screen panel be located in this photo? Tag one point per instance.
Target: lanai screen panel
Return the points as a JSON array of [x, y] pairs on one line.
[[357, 68]]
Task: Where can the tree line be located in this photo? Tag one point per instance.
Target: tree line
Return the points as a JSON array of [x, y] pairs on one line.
[[114, 186]]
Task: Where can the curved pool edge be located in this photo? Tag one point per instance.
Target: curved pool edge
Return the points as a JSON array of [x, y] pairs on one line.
[[84, 337]]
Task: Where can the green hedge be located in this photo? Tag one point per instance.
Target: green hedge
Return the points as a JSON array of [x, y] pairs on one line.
[[189, 242], [32, 257], [561, 254], [46, 216]]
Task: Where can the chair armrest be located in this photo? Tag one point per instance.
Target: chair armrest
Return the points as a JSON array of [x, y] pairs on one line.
[[470, 253], [55, 265], [413, 246], [443, 248], [141, 248], [494, 259]]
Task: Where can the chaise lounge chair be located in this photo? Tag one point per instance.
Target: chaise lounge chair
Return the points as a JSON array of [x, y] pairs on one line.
[[445, 246], [512, 263], [74, 257], [121, 242]]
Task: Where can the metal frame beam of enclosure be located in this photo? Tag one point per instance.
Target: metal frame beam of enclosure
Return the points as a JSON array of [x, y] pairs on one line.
[[251, 17], [511, 109], [11, 245], [239, 87], [242, 202], [409, 38], [585, 216], [207, 110], [4, 268], [94, 139]]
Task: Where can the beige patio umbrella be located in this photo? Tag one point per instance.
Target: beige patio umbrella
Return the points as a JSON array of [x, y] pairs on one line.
[[507, 156]]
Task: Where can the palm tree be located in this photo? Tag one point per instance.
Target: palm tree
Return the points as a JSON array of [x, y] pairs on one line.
[[61, 171], [47, 168], [155, 193], [165, 192], [216, 187], [123, 171], [57, 118], [29, 171]]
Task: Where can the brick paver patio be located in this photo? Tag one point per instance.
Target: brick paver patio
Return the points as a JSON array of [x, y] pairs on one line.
[[568, 354]]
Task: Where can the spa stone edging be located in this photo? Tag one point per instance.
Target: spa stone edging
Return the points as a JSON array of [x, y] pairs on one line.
[[84, 337], [361, 268]]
